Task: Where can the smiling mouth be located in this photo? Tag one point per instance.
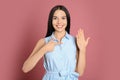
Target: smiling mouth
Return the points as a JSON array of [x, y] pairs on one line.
[[59, 26]]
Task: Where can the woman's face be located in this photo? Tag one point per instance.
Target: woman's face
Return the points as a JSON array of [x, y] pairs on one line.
[[59, 20]]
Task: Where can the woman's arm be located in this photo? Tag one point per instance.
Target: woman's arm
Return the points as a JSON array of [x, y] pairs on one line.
[[81, 61], [81, 52], [40, 49], [35, 56]]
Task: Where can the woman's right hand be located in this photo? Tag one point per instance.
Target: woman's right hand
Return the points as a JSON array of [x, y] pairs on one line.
[[50, 45]]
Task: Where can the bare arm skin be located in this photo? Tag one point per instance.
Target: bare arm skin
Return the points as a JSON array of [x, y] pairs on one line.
[[35, 56], [38, 52], [81, 61], [81, 52]]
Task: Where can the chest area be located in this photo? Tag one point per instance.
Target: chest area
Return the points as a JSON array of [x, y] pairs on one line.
[[65, 50]]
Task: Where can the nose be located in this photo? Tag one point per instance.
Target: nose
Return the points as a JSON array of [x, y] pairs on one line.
[[59, 21]]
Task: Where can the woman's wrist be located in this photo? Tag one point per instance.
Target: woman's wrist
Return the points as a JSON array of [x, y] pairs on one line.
[[82, 50]]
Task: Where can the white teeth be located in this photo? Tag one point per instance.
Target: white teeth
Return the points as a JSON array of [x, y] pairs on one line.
[[59, 26]]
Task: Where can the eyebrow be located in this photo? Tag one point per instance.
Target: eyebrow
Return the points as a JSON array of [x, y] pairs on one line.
[[62, 16]]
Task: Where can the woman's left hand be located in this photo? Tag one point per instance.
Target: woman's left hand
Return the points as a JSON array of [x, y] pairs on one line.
[[81, 41]]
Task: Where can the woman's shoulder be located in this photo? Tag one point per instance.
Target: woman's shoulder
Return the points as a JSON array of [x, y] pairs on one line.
[[41, 41]]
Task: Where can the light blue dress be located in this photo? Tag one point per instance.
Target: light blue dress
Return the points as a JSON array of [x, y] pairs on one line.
[[61, 63]]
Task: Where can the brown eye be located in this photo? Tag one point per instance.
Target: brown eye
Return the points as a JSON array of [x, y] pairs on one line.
[[63, 18], [54, 18]]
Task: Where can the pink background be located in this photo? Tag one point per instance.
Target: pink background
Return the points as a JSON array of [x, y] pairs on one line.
[[24, 22]]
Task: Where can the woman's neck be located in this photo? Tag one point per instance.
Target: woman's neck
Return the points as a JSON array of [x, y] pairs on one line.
[[59, 35]]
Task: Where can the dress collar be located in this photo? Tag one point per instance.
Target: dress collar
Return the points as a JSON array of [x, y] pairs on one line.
[[66, 36]]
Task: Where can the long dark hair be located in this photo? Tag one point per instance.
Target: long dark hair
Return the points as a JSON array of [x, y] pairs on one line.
[[50, 26]]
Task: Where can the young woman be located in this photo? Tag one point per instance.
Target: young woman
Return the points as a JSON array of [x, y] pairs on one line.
[[64, 55]]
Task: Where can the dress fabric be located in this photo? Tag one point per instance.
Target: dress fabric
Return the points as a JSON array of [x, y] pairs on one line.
[[60, 64]]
